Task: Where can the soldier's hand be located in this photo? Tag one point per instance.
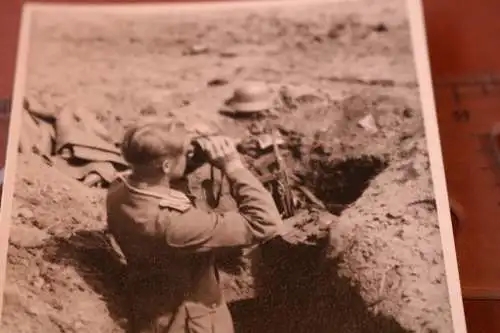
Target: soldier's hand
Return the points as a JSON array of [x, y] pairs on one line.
[[221, 152]]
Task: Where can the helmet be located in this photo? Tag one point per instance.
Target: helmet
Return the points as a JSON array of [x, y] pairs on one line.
[[251, 97]]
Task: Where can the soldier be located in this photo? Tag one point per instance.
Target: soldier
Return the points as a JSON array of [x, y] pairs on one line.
[[168, 242]]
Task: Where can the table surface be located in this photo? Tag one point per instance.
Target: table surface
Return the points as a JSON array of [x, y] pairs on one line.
[[462, 43]]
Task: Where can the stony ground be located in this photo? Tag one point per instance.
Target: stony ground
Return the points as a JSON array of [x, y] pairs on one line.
[[383, 270]]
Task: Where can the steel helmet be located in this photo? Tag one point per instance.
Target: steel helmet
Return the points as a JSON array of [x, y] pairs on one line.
[[251, 97]]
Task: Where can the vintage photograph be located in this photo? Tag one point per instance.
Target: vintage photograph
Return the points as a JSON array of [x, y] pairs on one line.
[[223, 167]]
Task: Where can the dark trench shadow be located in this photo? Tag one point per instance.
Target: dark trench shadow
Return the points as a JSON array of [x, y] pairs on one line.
[[98, 265], [300, 291], [339, 183]]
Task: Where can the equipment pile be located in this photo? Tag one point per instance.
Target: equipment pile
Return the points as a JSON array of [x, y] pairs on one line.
[[74, 142]]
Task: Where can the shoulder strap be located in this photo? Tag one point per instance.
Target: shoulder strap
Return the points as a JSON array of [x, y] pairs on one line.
[[173, 199]]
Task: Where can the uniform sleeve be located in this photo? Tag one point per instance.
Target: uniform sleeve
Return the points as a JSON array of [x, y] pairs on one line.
[[257, 219]]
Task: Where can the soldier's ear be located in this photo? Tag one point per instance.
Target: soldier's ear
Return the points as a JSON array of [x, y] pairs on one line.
[[165, 166]]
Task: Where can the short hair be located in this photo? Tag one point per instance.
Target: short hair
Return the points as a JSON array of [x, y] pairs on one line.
[[150, 141]]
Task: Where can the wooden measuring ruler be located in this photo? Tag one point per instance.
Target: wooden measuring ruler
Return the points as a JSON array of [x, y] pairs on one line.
[[470, 107]]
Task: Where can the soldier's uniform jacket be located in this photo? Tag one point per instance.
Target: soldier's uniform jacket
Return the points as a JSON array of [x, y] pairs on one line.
[[169, 245]]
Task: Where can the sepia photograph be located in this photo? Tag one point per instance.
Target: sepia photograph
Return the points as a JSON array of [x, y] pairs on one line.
[[248, 167]]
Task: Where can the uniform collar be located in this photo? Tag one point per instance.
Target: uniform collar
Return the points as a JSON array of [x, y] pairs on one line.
[[168, 198]]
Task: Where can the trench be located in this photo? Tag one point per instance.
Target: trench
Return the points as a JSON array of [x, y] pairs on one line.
[[297, 287], [303, 293], [340, 182]]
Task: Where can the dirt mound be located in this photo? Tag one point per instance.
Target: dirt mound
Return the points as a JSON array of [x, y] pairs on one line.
[[393, 251], [348, 103], [50, 290]]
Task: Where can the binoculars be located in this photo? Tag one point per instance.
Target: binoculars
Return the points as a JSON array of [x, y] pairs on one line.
[[196, 157]]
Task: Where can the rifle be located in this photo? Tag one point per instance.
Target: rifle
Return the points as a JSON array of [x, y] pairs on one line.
[[284, 189], [277, 179], [281, 183]]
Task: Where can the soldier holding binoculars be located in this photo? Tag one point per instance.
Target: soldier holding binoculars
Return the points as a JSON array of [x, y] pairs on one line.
[[167, 241]]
